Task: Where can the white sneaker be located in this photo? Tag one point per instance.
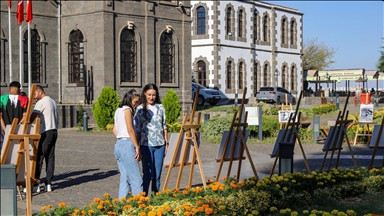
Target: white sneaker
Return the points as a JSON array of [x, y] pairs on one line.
[[48, 188], [36, 189]]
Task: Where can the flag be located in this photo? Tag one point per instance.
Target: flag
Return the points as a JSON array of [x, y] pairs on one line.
[[9, 3], [20, 12], [29, 12]]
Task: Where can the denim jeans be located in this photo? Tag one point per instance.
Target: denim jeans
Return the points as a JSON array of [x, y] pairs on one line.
[[130, 177], [152, 162]]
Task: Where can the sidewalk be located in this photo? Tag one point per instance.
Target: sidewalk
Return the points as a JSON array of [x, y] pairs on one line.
[[86, 167]]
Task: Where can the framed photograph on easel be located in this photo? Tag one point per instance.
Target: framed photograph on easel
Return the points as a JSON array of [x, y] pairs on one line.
[[366, 113], [284, 115]]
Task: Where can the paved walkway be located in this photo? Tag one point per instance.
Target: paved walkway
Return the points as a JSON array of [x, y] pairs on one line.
[[86, 167]]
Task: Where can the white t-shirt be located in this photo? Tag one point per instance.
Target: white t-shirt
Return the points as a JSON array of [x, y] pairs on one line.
[[121, 126], [47, 109]]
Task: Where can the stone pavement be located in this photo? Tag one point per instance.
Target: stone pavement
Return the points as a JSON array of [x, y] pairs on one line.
[[86, 167]]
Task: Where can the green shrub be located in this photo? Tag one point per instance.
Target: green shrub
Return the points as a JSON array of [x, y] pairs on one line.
[[266, 109], [80, 116], [105, 107], [213, 131], [172, 106]]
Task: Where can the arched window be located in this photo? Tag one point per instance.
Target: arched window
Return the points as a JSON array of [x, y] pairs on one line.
[[128, 56], [240, 23], [228, 22], [200, 20], [265, 28], [229, 75], [265, 74], [76, 57], [255, 23], [241, 70], [293, 71], [35, 57], [167, 55], [201, 77], [284, 77], [283, 31], [255, 89], [293, 32]]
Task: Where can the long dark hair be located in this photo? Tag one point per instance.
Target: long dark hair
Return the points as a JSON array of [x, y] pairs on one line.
[[143, 99], [127, 100]]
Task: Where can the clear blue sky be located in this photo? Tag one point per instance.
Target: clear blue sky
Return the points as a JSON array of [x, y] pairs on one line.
[[353, 28]]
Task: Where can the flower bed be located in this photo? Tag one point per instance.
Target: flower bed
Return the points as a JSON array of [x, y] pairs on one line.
[[279, 195]]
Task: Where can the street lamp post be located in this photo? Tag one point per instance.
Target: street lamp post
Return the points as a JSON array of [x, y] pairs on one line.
[[327, 78], [277, 77]]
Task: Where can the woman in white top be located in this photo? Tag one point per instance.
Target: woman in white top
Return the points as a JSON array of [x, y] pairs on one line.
[[127, 149]]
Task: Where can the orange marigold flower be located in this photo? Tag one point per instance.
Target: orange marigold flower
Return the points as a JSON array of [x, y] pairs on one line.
[[123, 199], [76, 211], [96, 199], [175, 195], [224, 178], [151, 213], [187, 213], [205, 206], [115, 200], [187, 188], [91, 205], [200, 208], [211, 202], [147, 198], [100, 207], [111, 213], [198, 202], [142, 193], [91, 211], [82, 213], [106, 195], [142, 214], [62, 204], [185, 192], [176, 189], [44, 208], [209, 180], [208, 211], [50, 206], [107, 201]]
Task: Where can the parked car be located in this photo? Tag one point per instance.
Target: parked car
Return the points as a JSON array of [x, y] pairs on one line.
[[274, 94], [212, 96]]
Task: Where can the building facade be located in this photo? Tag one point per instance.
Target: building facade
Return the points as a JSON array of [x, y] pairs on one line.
[[237, 44], [79, 47]]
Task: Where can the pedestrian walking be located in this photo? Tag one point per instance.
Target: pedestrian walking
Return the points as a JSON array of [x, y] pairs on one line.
[[152, 130], [45, 109], [127, 149]]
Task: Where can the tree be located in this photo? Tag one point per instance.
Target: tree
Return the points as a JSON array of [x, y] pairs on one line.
[[317, 56], [380, 63]]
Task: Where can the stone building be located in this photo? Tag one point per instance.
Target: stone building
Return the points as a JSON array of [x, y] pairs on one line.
[[123, 44], [237, 44]]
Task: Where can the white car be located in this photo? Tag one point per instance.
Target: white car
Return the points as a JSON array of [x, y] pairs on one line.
[[275, 94], [212, 96]]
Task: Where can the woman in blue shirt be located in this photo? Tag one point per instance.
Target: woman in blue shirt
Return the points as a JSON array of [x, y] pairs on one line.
[[152, 132]]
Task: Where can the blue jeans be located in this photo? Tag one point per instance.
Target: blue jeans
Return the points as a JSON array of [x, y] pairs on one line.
[[130, 177], [152, 162]]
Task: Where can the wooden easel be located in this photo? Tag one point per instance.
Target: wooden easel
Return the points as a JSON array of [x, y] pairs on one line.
[[290, 134], [376, 143], [336, 136], [365, 125], [238, 124], [286, 106], [23, 138], [190, 142]]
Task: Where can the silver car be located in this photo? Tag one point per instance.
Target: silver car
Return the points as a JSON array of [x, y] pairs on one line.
[[274, 94]]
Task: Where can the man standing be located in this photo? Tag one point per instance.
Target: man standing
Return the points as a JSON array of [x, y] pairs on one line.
[[46, 110], [12, 105]]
